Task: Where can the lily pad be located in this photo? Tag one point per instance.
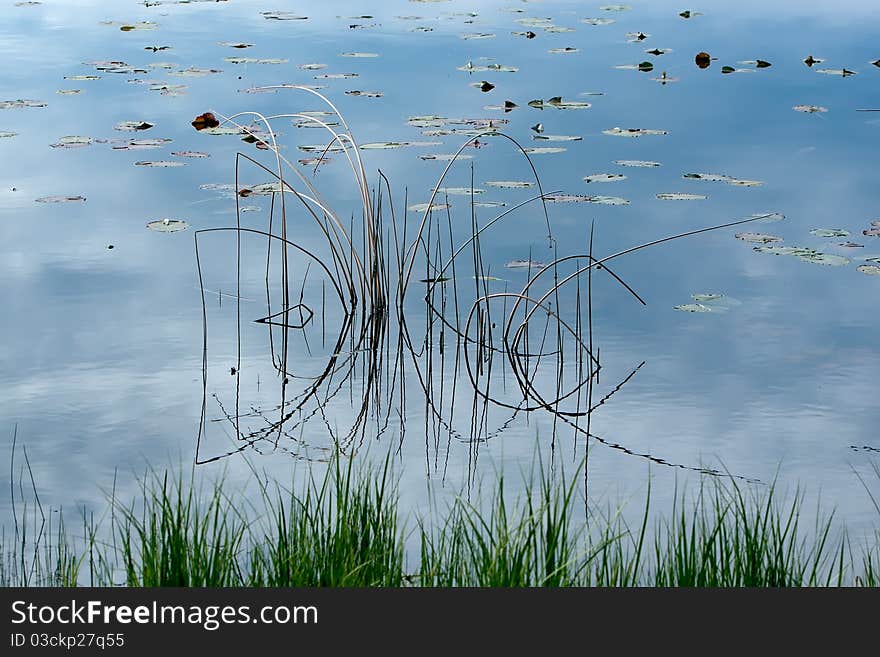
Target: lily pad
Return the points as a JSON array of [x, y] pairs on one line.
[[167, 225], [478, 35], [364, 94], [161, 164], [597, 21], [72, 141], [694, 308], [842, 72], [544, 150], [563, 51], [460, 191], [509, 184], [132, 126], [633, 132], [557, 137], [445, 157], [604, 177], [678, 196], [809, 109], [870, 270], [254, 60], [282, 16], [637, 163], [757, 238], [829, 232], [192, 154], [21, 103], [525, 264], [360, 55], [422, 207], [312, 67], [6, 135], [60, 199]]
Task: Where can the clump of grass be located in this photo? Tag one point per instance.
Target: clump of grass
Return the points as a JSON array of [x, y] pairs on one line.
[[179, 537], [734, 539], [342, 532], [533, 543]]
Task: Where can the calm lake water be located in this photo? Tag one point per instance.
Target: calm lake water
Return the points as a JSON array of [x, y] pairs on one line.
[[102, 348]]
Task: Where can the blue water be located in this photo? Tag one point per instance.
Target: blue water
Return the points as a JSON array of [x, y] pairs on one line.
[[101, 348]]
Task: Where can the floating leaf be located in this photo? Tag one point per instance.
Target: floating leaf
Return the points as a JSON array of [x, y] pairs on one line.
[[714, 177], [159, 163], [615, 8], [60, 199], [637, 163], [528, 35], [143, 25], [829, 232], [80, 78], [133, 126], [365, 94], [254, 60], [282, 16], [689, 14], [195, 72], [525, 264], [677, 196], [604, 177], [805, 254], [728, 69], [757, 238], [810, 60], [509, 184], [478, 35], [558, 137], [235, 44], [582, 198], [563, 51], [460, 191], [694, 308], [312, 67], [7, 135], [446, 157], [842, 72], [142, 144], [597, 21], [544, 150], [809, 109], [703, 60], [422, 207], [646, 67], [18, 104], [193, 154], [359, 55], [659, 51], [72, 141], [633, 132], [870, 270], [206, 120], [68, 92], [167, 225]]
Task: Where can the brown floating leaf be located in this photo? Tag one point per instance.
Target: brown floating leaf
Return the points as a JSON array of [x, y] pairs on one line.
[[703, 59], [206, 120]]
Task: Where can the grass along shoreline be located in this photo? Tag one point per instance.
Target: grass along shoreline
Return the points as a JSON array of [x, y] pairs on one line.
[[345, 530]]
